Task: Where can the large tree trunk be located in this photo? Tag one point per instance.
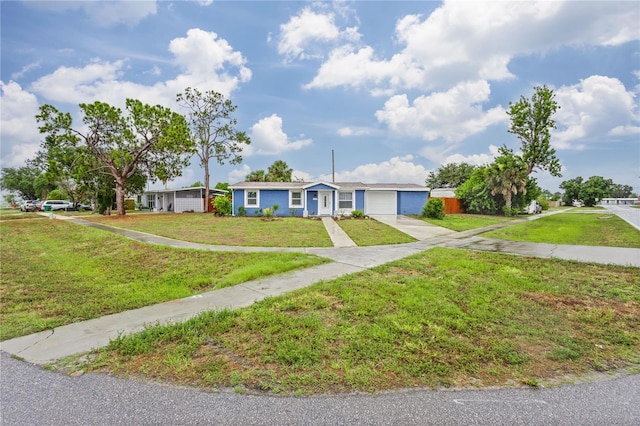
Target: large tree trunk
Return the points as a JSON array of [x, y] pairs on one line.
[[206, 186], [120, 197]]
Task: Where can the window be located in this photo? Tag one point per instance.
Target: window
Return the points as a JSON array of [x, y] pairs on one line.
[[345, 200], [251, 198], [295, 199]]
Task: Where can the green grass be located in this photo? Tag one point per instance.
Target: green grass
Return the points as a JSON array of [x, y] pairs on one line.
[[465, 222], [370, 232], [17, 214], [590, 229], [445, 317], [55, 273], [231, 231]]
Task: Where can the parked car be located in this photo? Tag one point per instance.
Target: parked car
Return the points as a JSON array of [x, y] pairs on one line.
[[577, 203], [57, 205], [533, 208], [29, 206]]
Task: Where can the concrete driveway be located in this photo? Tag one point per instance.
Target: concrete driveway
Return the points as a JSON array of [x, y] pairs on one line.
[[416, 228]]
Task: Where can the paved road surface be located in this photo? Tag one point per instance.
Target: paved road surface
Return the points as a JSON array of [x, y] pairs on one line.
[[32, 396]]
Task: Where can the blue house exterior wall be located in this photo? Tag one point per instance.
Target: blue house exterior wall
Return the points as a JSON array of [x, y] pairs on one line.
[[411, 202], [320, 187], [312, 202]]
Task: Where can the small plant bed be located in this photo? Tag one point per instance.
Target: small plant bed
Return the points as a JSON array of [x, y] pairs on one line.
[[55, 273], [465, 222], [574, 229], [442, 318], [370, 232], [206, 228]]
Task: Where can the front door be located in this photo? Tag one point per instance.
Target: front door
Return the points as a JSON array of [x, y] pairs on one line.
[[325, 203]]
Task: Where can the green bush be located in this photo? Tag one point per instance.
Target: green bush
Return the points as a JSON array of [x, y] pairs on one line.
[[242, 211], [129, 204], [57, 194], [357, 214], [544, 203], [222, 206], [434, 209]]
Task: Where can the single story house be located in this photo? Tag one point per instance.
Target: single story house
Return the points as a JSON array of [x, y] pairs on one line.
[[328, 199], [178, 200]]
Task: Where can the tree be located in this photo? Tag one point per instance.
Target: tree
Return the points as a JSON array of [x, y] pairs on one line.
[[571, 190], [595, 189], [531, 122], [213, 128], [451, 175], [197, 184], [507, 176], [149, 140], [475, 195], [279, 171], [20, 180], [256, 176], [620, 191]]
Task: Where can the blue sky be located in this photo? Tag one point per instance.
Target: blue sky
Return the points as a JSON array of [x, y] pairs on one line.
[[396, 89]]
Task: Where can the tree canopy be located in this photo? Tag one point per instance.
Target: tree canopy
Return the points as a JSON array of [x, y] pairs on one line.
[[28, 182], [279, 171], [213, 128], [507, 175], [532, 121], [594, 189], [451, 175], [150, 141]]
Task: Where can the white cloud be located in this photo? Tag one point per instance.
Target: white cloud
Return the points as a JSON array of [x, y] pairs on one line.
[[395, 170], [238, 175], [452, 115], [598, 109], [25, 69], [304, 33], [207, 63], [104, 13], [18, 128], [473, 159], [268, 138], [355, 131], [463, 41]]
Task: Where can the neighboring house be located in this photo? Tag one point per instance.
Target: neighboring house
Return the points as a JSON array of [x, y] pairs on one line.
[[178, 200], [619, 201], [328, 199]]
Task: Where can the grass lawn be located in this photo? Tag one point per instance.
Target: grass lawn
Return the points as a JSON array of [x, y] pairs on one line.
[[465, 222], [590, 229], [232, 231], [442, 318], [55, 273], [370, 232], [17, 214]]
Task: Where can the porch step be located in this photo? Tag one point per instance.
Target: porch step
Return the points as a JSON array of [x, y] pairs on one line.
[[339, 238]]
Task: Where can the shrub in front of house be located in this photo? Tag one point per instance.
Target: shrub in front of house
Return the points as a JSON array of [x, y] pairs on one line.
[[357, 214], [242, 211], [222, 206], [434, 209]]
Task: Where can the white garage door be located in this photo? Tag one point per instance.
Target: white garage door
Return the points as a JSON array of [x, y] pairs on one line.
[[380, 202]]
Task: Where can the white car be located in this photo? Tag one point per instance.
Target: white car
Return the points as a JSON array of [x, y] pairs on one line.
[[53, 205]]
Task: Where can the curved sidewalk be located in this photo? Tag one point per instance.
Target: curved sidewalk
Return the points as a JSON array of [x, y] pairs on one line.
[[50, 345]]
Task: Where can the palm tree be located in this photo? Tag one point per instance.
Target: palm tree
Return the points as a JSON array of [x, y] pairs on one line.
[[507, 176], [257, 176], [279, 171]]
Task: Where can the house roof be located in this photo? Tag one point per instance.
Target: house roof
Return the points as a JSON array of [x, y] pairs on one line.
[[189, 188], [338, 185]]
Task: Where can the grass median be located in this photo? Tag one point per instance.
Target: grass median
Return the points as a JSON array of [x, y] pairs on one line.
[[442, 318], [573, 228], [55, 273], [370, 232], [230, 231]]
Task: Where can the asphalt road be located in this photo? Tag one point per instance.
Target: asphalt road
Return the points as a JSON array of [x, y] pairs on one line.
[[630, 214], [34, 396]]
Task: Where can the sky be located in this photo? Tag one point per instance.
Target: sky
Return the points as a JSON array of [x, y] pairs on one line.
[[395, 89]]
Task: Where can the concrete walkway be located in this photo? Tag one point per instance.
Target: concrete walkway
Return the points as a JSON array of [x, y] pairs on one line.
[[339, 238], [48, 346]]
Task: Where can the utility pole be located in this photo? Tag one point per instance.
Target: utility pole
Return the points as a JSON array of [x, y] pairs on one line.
[[333, 168]]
